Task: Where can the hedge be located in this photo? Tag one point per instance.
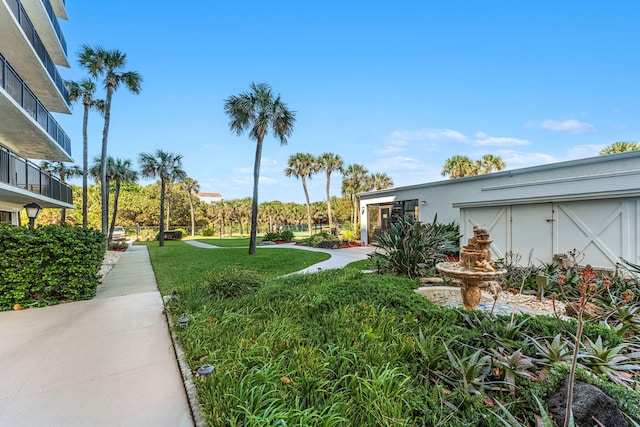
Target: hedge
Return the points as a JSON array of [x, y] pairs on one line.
[[45, 265]]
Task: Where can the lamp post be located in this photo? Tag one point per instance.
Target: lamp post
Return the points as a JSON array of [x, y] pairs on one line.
[[33, 209], [320, 218]]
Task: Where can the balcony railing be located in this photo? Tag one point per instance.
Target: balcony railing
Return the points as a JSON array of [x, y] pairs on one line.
[[20, 92], [23, 174], [29, 30], [56, 25]]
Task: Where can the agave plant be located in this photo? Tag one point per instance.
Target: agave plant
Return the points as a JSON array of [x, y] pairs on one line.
[[556, 352], [471, 371], [508, 366], [410, 248], [616, 363]]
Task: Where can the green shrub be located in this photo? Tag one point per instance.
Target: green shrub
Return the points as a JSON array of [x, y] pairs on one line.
[[323, 240], [118, 246], [271, 236], [286, 235], [207, 232], [410, 248], [172, 234], [48, 264], [232, 282]]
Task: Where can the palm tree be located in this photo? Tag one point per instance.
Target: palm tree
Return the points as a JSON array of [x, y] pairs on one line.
[[84, 89], [355, 180], [64, 172], [166, 166], [381, 181], [190, 186], [458, 167], [330, 162], [620, 147], [489, 163], [256, 111], [108, 63], [119, 172], [303, 165]]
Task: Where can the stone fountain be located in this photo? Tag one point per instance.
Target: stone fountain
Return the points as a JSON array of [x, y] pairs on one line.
[[474, 269]]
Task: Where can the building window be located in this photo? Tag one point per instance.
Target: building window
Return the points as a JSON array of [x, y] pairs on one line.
[[5, 217]]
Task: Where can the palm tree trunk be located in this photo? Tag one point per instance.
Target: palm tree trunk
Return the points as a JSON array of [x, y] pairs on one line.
[[104, 188], [193, 217], [85, 167], [329, 204], [116, 194], [306, 196], [254, 203], [161, 235]]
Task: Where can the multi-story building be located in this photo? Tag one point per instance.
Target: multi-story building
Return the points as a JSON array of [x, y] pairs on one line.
[[31, 89]]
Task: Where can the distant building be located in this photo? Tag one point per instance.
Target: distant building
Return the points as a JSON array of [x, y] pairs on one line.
[[31, 47], [209, 197], [592, 205]]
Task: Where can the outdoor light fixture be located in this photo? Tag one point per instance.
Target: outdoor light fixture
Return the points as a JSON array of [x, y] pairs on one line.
[[205, 370], [183, 321], [423, 203], [33, 209]]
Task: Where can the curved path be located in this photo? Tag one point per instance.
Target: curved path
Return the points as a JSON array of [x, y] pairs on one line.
[[339, 257]]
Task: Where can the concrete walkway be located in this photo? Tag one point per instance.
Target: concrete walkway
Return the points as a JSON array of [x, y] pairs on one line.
[[104, 362], [339, 257]]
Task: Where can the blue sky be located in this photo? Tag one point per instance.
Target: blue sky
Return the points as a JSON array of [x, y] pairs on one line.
[[396, 86]]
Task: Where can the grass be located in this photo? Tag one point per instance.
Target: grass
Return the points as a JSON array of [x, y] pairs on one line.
[[344, 348], [178, 264], [225, 243]]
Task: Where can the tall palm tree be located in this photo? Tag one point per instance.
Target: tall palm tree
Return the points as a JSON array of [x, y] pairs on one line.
[[120, 172], [191, 186], [166, 166], [355, 179], [303, 166], [380, 181], [84, 90], [63, 171], [256, 111], [458, 167], [489, 163], [108, 64], [620, 147], [329, 163]]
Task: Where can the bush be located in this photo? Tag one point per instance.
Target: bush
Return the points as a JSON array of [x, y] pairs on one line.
[[284, 236], [232, 282], [48, 264], [118, 246], [323, 240], [207, 232], [172, 235], [411, 248]]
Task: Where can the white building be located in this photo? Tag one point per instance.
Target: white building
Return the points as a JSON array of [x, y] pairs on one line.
[[592, 205], [31, 46]]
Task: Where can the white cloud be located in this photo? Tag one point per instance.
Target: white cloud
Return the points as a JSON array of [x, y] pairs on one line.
[[571, 125], [493, 141], [400, 140], [516, 159], [587, 150]]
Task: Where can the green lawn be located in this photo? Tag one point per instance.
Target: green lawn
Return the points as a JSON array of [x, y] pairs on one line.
[[345, 348], [225, 243], [178, 264]]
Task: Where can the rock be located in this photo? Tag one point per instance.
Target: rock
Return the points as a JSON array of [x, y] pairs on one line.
[[267, 243], [430, 280], [589, 403], [590, 310]]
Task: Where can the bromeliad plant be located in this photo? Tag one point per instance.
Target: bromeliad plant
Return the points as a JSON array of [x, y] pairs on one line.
[[410, 248], [581, 286]]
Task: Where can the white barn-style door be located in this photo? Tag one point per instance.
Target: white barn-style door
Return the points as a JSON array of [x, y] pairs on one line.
[[603, 230]]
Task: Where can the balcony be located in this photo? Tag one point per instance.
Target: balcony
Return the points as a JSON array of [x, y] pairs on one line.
[[45, 21], [23, 47], [25, 124], [21, 180]]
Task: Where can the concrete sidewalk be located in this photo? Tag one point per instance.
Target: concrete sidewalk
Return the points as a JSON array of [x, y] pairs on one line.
[[104, 362], [339, 257]]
